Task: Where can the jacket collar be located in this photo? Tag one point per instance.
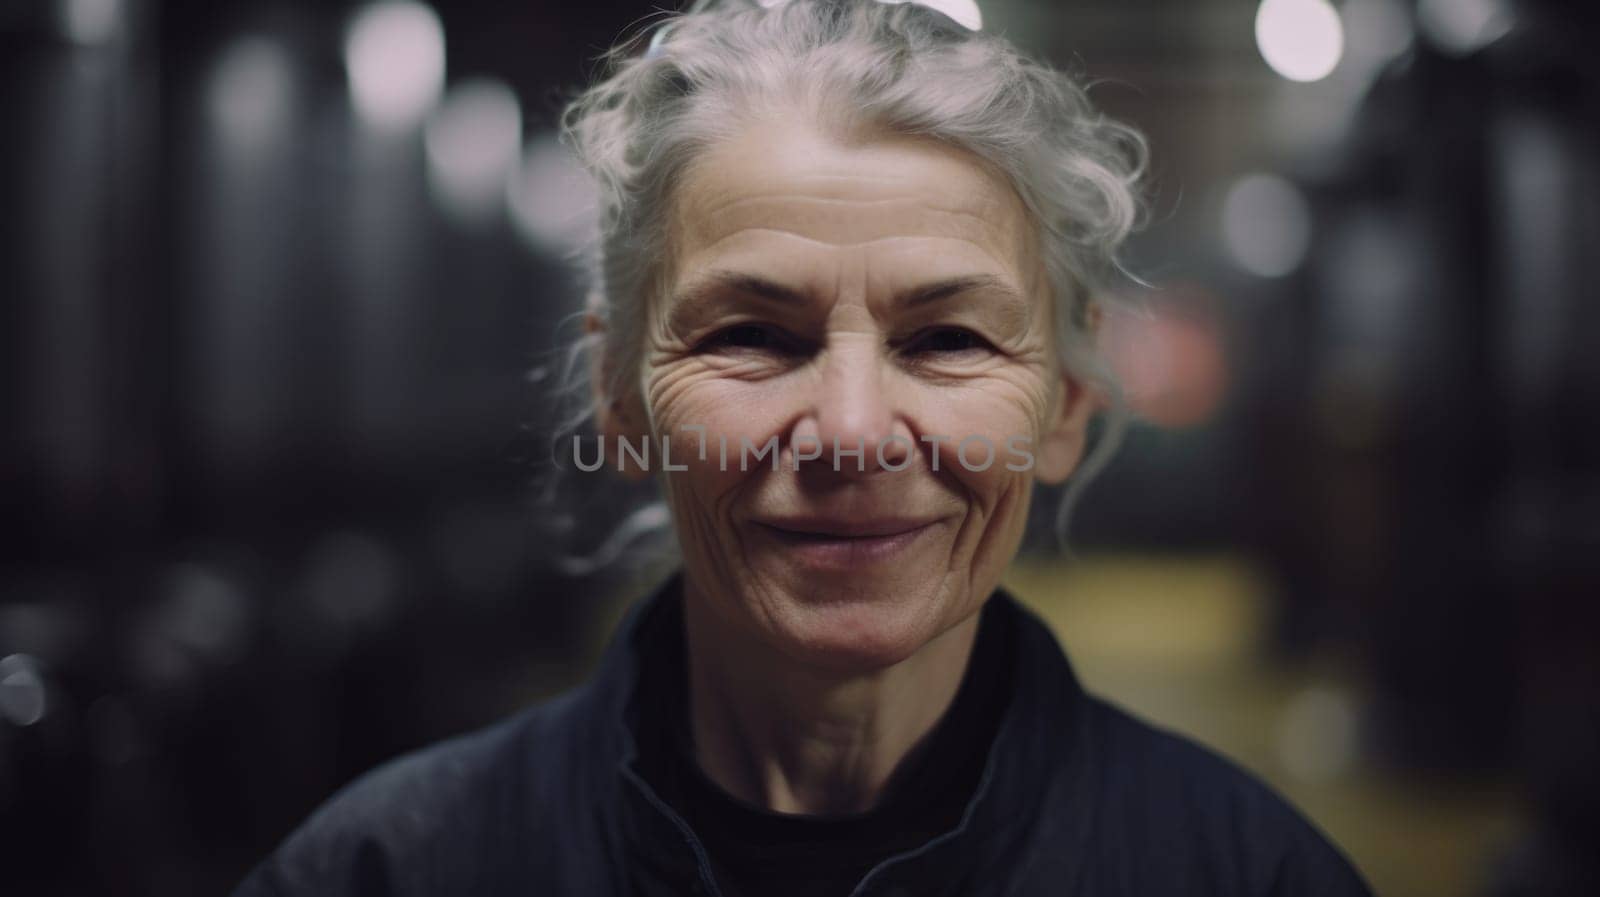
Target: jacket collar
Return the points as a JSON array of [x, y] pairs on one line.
[[1038, 749]]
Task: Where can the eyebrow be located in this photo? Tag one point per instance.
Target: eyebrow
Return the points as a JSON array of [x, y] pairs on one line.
[[955, 286], [707, 287]]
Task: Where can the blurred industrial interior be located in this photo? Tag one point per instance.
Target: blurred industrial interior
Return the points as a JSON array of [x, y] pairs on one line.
[[284, 287]]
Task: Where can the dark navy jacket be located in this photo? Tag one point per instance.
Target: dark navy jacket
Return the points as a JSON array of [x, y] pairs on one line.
[[1078, 799]]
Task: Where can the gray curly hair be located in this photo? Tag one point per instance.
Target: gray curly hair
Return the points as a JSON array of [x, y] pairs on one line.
[[855, 68]]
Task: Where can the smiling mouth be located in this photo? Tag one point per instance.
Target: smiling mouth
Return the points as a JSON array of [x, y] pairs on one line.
[[845, 544]]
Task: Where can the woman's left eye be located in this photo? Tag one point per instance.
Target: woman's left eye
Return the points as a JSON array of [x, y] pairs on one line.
[[945, 340]]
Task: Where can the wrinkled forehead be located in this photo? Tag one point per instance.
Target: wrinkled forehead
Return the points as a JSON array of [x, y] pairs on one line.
[[789, 181]]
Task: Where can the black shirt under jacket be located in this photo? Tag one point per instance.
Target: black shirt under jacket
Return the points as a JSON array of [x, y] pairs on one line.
[[755, 852], [1076, 799]]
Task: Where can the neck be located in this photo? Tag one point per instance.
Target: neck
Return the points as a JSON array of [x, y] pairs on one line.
[[793, 738]]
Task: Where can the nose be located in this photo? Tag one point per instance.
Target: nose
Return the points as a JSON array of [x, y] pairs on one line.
[[855, 411]]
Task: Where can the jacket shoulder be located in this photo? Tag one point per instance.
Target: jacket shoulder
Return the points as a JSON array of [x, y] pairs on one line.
[[460, 816], [1204, 818]]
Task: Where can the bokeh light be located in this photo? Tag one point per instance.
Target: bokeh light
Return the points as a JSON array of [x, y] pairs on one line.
[[251, 95], [1376, 30], [965, 12], [394, 53], [91, 22], [1461, 26], [1319, 733], [206, 614], [351, 580], [553, 202], [472, 142], [22, 692], [1170, 362], [1266, 225], [1301, 39]]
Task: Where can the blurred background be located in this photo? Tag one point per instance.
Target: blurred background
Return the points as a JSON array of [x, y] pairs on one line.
[[281, 284]]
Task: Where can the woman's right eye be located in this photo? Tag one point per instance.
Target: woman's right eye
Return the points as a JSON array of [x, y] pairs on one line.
[[747, 337]]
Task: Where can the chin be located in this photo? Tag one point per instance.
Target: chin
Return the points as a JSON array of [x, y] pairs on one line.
[[856, 637]]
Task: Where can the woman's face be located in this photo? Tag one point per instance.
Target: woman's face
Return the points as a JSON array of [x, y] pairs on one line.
[[884, 294]]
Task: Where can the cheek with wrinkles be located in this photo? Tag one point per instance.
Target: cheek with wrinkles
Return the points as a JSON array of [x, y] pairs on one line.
[[988, 537], [748, 367], [698, 397], [996, 408], [678, 394]]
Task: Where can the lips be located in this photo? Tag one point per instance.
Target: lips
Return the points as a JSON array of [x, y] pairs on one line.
[[846, 528], [844, 544]]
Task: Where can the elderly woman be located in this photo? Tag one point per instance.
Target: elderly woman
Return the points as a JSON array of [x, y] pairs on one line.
[[843, 289]]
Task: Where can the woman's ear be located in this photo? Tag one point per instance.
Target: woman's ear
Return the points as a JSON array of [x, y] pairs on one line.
[[1061, 446], [615, 417], [600, 401]]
